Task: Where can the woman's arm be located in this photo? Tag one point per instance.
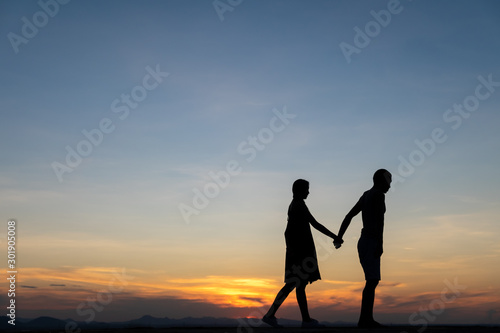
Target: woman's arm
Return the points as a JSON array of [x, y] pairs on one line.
[[321, 228]]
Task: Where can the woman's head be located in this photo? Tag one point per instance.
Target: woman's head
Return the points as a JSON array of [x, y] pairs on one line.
[[300, 189]]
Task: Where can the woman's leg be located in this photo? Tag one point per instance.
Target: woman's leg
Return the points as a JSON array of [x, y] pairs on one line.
[[280, 298], [302, 300]]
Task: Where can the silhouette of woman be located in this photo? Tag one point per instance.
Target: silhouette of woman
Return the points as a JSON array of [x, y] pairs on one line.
[[301, 264]]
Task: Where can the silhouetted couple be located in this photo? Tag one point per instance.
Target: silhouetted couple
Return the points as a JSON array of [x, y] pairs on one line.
[[301, 263]]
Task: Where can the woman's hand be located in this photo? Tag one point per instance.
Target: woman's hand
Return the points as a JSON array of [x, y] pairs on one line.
[[337, 242]]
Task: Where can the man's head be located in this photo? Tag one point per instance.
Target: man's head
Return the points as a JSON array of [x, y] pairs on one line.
[[300, 189], [382, 180]]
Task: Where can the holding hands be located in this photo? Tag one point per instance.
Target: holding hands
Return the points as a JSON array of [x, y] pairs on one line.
[[337, 242]]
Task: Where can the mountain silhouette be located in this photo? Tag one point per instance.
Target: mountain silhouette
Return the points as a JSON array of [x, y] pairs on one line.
[[147, 321]]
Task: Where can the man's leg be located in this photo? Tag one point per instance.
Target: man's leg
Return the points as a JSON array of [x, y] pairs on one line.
[[370, 262], [367, 301], [366, 317]]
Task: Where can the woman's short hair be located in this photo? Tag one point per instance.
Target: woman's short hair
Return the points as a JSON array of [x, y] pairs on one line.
[[299, 186]]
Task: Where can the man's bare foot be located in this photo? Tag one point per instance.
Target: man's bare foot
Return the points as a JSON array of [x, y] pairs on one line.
[[370, 324]]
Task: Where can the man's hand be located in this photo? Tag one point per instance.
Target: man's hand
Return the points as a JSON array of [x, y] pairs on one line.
[[337, 242], [380, 250]]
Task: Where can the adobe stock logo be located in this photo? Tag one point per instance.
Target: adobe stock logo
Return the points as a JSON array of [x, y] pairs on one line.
[[95, 136], [40, 19], [428, 314], [363, 37], [248, 148], [225, 6], [454, 117], [104, 297]]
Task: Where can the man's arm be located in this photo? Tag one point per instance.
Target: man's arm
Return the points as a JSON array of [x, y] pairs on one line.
[[378, 212], [347, 220]]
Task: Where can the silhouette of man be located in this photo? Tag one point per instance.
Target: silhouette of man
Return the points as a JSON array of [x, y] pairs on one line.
[[370, 244]]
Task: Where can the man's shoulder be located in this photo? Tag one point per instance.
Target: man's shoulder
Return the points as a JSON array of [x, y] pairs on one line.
[[375, 192], [372, 196], [372, 193]]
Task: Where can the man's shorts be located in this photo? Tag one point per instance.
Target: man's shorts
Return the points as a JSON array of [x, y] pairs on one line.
[[369, 258]]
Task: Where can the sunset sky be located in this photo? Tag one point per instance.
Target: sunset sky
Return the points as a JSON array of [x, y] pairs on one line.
[[149, 149]]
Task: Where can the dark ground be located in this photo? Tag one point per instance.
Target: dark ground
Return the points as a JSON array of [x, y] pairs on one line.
[[392, 329]]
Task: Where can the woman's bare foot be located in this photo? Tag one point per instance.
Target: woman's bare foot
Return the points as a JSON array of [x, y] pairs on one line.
[[271, 321]]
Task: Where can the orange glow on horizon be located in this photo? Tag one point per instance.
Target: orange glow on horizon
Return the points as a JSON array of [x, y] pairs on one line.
[[66, 287]]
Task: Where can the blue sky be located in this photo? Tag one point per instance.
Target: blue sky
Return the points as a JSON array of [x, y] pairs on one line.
[[225, 79]]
